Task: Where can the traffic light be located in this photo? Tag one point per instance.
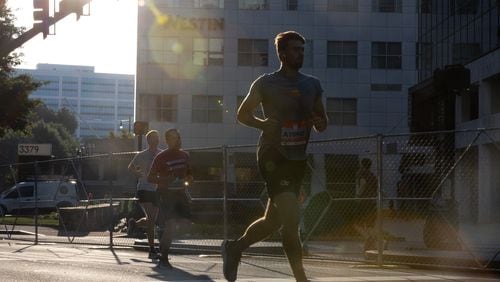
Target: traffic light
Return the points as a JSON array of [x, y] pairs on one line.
[[41, 15], [73, 6], [141, 127]]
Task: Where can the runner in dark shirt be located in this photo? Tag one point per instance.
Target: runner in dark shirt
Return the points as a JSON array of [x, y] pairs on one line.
[[292, 106]]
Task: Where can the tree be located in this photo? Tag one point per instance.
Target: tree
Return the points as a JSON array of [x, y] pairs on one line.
[[15, 106], [64, 117]]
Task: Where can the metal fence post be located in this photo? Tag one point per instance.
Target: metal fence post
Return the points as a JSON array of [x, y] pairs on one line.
[[111, 215], [36, 200], [378, 226], [224, 186]]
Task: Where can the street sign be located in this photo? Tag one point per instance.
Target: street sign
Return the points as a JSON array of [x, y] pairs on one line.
[[34, 149]]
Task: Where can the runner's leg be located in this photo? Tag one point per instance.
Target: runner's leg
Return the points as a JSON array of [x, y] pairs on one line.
[[288, 211]]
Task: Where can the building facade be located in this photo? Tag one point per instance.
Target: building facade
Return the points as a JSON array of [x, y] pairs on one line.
[[101, 102], [197, 59], [463, 32]]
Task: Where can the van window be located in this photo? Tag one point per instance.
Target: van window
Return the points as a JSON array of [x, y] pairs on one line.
[[12, 195], [26, 191]]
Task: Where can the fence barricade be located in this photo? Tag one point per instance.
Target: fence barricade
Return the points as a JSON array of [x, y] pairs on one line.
[[426, 198]]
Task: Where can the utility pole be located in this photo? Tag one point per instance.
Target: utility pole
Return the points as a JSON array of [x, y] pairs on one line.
[[43, 21]]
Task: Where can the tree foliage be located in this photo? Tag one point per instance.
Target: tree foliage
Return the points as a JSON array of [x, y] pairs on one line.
[[64, 117], [15, 105]]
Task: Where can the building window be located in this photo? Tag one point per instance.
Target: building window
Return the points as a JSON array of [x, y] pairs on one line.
[[157, 107], [209, 4], [208, 52], [386, 55], [342, 54], [385, 87], [465, 52], [253, 4], [342, 5], [463, 7], [292, 5], [426, 6], [387, 6], [252, 52], [207, 109], [342, 111]]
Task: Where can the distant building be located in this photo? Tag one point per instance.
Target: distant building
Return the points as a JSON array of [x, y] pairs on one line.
[[463, 32], [101, 102]]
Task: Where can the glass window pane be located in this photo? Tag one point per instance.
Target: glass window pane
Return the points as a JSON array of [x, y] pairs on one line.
[[335, 118], [199, 58], [349, 105], [260, 46], [216, 45], [334, 47], [378, 62], [245, 45], [394, 48], [350, 62], [350, 47], [394, 62], [334, 61], [260, 60], [378, 48]]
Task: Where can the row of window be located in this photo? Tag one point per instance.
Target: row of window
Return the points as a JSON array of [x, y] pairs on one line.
[[382, 6], [255, 52], [339, 54], [210, 109], [453, 7]]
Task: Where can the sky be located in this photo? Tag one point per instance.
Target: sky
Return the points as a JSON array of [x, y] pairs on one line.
[[107, 39]]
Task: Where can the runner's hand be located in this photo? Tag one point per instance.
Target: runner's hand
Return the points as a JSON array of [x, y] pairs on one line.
[[318, 122]]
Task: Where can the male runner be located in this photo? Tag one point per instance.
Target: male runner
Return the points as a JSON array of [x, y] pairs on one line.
[[292, 105]]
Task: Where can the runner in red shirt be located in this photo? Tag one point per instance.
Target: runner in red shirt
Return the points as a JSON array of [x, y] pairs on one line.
[[171, 171]]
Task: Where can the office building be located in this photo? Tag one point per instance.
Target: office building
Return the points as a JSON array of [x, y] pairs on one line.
[[197, 59], [467, 33], [101, 102]]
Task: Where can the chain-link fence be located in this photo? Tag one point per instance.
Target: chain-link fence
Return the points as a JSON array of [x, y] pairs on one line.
[[427, 198]]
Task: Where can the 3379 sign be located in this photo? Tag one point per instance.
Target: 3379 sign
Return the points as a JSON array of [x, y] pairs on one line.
[[34, 149]]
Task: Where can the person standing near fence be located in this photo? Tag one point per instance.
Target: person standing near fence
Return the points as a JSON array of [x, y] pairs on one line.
[[366, 190], [171, 171], [292, 105], [146, 192]]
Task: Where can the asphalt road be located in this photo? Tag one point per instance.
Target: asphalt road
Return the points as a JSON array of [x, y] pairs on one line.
[[23, 261]]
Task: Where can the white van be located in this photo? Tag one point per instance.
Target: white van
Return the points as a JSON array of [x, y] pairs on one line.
[[20, 199]]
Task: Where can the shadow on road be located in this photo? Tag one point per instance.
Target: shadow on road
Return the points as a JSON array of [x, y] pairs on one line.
[[176, 274]]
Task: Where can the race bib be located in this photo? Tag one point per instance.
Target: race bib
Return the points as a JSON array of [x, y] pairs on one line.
[[293, 133]]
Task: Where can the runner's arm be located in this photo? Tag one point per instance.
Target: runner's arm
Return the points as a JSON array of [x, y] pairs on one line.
[[319, 119], [246, 115]]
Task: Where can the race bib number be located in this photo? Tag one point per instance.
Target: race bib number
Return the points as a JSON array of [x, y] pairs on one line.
[[293, 133]]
